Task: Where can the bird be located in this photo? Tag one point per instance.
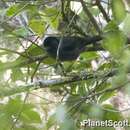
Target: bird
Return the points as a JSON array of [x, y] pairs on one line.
[[68, 48]]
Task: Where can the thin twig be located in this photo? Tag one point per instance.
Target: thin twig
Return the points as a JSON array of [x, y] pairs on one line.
[[88, 13], [98, 3], [12, 51], [83, 99]]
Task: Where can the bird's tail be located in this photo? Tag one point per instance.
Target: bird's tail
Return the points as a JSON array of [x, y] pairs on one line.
[[92, 39]]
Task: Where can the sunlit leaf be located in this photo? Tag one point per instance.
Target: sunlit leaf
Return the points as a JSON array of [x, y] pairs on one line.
[[30, 116], [23, 32], [106, 96], [89, 56], [51, 121], [16, 74], [50, 15], [114, 42], [111, 26], [12, 10], [126, 25], [119, 11], [110, 113], [37, 26]]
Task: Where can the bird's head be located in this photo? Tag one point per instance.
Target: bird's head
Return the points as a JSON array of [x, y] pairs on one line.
[[51, 41]]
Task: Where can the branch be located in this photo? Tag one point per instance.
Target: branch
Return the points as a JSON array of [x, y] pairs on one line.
[[15, 52], [105, 91], [7, 90], [88, 97], [21, 63], [86, 10], [98, 3]]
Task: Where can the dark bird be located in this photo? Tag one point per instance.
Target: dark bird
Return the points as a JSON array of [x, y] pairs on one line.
[[69, 47]]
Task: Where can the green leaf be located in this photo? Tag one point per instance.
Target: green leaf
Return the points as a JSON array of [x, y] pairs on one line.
[[68, 124], [30, 116], [91, 110], [12, 10], [34, 50], [27, 127], [5, 121], [37, 26], [50, 122], [16, 74], [114, 42], [51, 16], [119, 79], [106, 96], [126, 25], [111, 113], [49, 61], [119, 11], [127, 89], [82, 90], [103, 86], [22, 31], [89, 56], [111, 26], [4, 52], [11, 110], [105, 66], [72, 99], [14, 106], [51, 11]]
